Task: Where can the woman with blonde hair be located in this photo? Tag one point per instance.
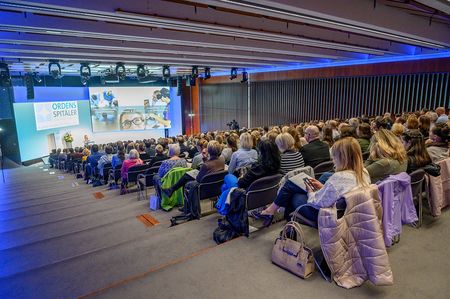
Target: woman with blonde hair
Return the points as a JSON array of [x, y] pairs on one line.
[[245, 155], [387, 156], [350, 174], [398, 130], [290, 156]]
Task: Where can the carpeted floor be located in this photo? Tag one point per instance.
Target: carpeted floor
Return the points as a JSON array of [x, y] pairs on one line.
[[58, 241]]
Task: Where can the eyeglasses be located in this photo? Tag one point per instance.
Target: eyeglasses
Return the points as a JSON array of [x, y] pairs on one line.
[[137, 121]]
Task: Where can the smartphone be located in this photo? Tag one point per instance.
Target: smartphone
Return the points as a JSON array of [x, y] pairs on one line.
[[309, 184]]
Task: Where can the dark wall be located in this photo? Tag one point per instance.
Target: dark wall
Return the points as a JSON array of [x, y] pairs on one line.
[[8, 133], [294, 101], [221, 103]]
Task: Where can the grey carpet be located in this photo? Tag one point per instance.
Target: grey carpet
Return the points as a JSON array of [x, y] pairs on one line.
[[57, 241]]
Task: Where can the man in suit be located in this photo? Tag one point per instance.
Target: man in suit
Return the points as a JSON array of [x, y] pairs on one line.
[[316, 151]]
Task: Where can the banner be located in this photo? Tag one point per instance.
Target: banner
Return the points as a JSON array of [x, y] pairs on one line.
[[51, 115]]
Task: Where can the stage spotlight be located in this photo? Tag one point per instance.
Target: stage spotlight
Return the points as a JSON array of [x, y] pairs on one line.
[[5, 77], [233, 73], [166, 72], [54, 69], [140, 71], [121, 72], [143, 76], [109, 77], [207, 73], [85, 73], [194, 73], [37, 78], [244, 77]]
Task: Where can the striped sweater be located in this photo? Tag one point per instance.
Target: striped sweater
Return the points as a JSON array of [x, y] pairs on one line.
[[291, 160]]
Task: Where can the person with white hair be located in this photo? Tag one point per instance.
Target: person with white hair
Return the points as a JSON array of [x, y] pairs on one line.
[[442, 117], [167, 165]]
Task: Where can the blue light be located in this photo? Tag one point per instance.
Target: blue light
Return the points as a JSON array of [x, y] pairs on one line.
[[344, 63]]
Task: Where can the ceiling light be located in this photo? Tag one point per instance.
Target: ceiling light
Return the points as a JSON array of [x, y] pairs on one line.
[[36, 77], [54, 69], [85, 73], [207, 73], [233, 73], [244, 77], [121, 72], [166, 72], [194, 72]]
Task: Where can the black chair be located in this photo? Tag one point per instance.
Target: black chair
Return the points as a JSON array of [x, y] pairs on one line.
[[211, 187], [145, 180], [158, 163], [262, 192], [323, 168], [134, 171], [417, 185], [114, 174], [105, 174]]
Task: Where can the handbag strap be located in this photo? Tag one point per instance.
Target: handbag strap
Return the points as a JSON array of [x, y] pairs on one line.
[[299, 232]]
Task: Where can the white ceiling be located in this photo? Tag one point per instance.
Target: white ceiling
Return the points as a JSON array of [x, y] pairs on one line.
[[219, 34]]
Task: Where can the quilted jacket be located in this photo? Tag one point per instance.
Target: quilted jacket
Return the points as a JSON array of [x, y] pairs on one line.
[[353, 245]]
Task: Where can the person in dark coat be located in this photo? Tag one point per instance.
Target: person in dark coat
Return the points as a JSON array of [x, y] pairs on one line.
[[316, 151]]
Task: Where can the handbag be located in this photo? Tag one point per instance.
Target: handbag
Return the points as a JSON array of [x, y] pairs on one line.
[[291, 254]]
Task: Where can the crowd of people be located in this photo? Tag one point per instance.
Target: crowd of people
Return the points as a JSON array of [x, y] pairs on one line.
[[364, 150]]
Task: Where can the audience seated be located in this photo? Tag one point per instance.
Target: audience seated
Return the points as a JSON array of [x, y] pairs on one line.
[[245, 155], [387, 156], [417, 154], [201, 157], [214, 163], [229, 149], [316, 151], [160, 156], [106, 158], [438, 143], [290, 157], [398, 130], [92, 161], [133, 159], [142, 153], [364, 135], [350, 174], [424, 126], [327, 135], [118, 158], [166, 165], [442, 117], [268, 164]]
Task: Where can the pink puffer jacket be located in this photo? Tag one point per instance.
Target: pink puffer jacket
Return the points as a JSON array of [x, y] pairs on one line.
[[353, 245]]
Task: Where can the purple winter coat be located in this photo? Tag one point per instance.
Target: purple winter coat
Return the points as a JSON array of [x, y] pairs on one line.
[[398, 206]]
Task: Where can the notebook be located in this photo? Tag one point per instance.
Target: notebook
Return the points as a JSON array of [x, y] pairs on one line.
[[298, 180], [193, 173]]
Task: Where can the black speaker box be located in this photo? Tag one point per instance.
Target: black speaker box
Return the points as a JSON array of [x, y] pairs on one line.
[[29, 84]]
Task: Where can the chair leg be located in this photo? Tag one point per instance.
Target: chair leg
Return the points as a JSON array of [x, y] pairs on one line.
[[420, 209]]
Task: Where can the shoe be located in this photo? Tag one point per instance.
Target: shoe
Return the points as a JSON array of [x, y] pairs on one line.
[[267, 220]]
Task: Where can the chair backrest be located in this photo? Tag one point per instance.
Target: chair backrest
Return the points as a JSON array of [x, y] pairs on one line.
[[417, 179], [158, 163], [322, 168], [106, 168], [135, 170], [262, 191], [152, 170], [211, 184]]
